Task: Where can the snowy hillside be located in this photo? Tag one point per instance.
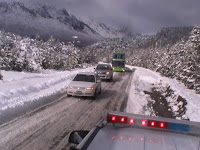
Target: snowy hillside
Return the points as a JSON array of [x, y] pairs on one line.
[[174, 52]]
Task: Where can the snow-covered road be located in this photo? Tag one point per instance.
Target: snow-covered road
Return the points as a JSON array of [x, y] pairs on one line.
[[20, 88], [48, 125]]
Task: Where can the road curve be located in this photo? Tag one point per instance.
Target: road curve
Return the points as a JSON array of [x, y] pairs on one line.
[[48, 127]]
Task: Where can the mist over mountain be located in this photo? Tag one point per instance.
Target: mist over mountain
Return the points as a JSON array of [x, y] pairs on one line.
[[137, 16], [92, 21], [47, 21]]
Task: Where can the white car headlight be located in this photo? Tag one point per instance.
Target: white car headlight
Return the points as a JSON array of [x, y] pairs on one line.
[[90, 88], [70, 87], [107, 72]]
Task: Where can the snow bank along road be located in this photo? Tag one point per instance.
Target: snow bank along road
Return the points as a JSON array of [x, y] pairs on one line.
[[48, 127]]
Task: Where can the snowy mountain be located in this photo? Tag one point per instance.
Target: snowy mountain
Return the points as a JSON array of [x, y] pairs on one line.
[[47, 21], [44, 21], [106, 31]]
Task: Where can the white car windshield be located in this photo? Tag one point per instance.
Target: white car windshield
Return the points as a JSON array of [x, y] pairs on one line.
[[86, 78], [103, 67]]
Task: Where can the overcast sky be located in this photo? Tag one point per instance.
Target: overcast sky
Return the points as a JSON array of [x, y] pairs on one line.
[[144, 16]]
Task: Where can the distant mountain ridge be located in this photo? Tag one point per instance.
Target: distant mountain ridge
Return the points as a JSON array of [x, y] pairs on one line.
[[47, 21]]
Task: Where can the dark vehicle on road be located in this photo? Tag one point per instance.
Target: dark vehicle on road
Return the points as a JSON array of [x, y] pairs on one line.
[[104, 71], [85, 84]]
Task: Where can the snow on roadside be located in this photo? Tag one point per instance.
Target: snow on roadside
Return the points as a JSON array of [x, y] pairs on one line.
[[17, 88], [141, 81], [20, 87], [145, 80]]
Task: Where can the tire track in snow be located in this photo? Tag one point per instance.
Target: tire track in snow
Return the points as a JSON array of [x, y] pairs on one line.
[[49, 128]]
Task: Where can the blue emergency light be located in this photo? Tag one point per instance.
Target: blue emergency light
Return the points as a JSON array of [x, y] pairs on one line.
[[179, 127]]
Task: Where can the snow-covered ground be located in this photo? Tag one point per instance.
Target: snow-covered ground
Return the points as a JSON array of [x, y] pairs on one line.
[[144, 80], [17, 88]]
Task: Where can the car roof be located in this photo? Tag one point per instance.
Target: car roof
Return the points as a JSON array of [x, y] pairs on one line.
[[87, 73]]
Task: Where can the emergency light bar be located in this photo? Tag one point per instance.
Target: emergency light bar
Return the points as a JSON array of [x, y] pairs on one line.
[[150, 122]]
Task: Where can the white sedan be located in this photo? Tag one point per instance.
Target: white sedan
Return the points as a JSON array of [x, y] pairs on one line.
[[85, 84]]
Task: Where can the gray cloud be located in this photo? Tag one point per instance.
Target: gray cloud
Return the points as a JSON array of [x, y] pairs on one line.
[[144, 16]]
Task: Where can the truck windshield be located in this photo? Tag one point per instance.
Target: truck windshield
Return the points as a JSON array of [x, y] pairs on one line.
[[118, 63], [118, 56], [85, 78], [103, 67]]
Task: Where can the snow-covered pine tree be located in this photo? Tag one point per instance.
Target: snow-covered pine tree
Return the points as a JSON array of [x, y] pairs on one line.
[[22, 53]]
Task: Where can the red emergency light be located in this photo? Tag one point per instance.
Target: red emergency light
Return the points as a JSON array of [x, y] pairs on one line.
[[157, 124], [143, 122], [131, 121], [152, 123], [162, 125], [113, 118], [122, 119], [117, 118]]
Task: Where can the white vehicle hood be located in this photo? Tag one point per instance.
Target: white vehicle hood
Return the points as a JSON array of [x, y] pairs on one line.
[[82, 84], [142, 139]]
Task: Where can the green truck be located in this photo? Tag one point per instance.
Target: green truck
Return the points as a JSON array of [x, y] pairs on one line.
[[118, 62]]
